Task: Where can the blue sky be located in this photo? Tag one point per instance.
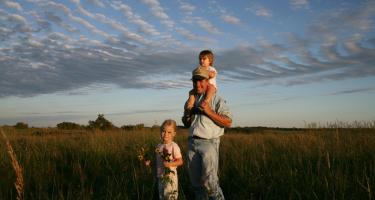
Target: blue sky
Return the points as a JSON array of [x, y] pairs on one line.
[[280, 63]]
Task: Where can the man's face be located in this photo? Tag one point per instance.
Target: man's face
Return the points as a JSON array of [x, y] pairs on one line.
[[200, 86]]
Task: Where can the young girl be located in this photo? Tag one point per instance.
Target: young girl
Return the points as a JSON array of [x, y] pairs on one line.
[[206, 60], [168, 158]]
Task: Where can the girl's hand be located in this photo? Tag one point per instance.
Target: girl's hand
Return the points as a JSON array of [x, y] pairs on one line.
[[167, 164]]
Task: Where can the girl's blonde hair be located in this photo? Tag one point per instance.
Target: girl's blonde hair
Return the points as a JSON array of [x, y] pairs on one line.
[[209, 55], [168, 122]]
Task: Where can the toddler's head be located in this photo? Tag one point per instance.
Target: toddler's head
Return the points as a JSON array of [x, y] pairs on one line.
[[206, 56]]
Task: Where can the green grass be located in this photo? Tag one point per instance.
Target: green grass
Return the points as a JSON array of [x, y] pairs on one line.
[[296, 164]]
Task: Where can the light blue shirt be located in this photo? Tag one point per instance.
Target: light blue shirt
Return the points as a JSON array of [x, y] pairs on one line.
[[202, 126]]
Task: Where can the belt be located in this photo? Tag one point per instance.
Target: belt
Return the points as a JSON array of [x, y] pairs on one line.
[[197, 137]]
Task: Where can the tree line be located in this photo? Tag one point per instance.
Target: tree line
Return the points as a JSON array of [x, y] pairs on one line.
[[100, 123]]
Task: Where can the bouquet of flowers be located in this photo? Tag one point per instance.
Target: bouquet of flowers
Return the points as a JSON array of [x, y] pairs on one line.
[[166, 156], [144, 156]]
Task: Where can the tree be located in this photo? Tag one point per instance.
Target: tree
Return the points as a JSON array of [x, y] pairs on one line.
[[101, 123], [21, 125]]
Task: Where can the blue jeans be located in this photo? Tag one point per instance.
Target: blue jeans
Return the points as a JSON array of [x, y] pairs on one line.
[[203, 164]]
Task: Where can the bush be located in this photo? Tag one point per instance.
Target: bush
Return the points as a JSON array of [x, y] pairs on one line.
[[133, 127], [69, 126], [21, 125]]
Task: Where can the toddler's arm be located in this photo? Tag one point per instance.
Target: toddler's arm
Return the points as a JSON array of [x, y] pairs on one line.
[[211, 74]]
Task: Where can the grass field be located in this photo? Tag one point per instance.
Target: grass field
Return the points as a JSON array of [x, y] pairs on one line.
[[263, 164]]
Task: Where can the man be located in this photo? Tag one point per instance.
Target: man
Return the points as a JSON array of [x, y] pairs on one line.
[[206, 124]]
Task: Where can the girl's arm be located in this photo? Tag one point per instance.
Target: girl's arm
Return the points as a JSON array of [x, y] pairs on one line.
[[177, 162]]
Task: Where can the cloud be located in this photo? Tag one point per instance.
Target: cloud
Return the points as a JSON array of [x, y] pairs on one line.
[[116, 25], [354, 91], [79, 20], [187, 8], [15, 18], [295, 63], [58, 7], [13, 26], [299, 4], [345, 22], [97, 3], [159, 13], [206, 25], [28, 69], [51, 17], [222, 13], [191, 36], [13, 5], [37, 59], [144, 27], [230, 19], [260, 11]]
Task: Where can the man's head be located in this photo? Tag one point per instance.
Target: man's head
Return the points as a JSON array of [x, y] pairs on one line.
[[200, 80]]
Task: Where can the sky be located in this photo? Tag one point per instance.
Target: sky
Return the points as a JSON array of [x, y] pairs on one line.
[[280, 63]]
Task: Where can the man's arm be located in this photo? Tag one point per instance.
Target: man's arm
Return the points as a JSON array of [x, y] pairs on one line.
[[187, 118], [220, 120]]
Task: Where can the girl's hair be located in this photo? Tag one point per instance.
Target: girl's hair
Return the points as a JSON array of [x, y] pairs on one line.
[[209, 55], [168, 122]]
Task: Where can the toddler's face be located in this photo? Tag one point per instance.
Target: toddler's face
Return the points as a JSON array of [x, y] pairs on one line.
[[204, 61], [167, 134]]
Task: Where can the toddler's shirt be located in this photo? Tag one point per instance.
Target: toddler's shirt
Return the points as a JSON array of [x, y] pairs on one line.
[[212, 80]]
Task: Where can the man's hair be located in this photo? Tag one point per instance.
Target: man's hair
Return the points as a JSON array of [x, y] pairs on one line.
[[168, 122], [209, 55]]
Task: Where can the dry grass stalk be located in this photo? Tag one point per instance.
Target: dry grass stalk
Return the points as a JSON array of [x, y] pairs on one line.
[[19, 184]]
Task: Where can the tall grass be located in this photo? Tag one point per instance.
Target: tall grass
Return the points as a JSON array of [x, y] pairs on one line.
[[342, 124], [301, 164], [19, 183]]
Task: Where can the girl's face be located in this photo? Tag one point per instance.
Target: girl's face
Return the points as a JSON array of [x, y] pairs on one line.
[[204, 61], [167, 134]]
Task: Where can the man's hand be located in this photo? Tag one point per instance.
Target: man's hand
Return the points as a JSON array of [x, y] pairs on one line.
[[206, 108], [187, 118]]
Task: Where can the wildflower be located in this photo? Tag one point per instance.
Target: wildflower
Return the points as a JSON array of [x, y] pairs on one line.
[[144, 156]]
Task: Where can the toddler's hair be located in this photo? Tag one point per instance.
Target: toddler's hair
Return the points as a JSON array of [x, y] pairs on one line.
[[168, 122], [209, 55]]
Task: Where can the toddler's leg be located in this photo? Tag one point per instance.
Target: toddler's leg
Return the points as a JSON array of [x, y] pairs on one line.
[[191, 100], [211, 90]]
